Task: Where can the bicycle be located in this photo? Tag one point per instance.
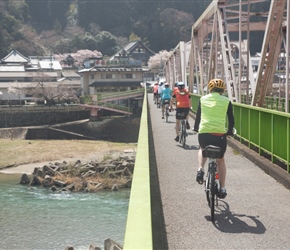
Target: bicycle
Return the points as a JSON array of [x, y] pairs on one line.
[[166, 107], [158, 102], [212, 184], [182, 128]]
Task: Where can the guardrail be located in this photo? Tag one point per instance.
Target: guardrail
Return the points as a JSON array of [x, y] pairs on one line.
[[115, 106], [119, 95], [263, 130], [138, 233], [31, 108]]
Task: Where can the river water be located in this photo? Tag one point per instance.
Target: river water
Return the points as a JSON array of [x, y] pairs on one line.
[[37, 218]]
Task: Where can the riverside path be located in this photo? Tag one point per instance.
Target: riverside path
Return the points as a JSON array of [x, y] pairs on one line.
[[254, 215]]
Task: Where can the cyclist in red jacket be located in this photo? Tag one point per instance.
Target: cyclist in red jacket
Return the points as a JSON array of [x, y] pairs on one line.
[[183, 105]]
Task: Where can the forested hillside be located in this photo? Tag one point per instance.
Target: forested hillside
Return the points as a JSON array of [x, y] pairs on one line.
[[42, 27], [38, 27]]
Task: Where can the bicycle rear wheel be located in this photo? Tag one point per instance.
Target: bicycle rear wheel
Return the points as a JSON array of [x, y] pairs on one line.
[[166, 112], [211, 191], [182, 138], [183, 134]]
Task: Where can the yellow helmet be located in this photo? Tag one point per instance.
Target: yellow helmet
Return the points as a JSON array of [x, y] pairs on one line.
[[216, 83]]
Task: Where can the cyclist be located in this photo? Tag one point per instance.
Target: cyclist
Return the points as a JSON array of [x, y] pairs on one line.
[[183, 105], [160, 87], [210, 122], [155, 92], [166, 94]]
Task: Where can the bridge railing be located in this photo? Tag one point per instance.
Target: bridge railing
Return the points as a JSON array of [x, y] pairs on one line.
[[263, 130], [138, 233]]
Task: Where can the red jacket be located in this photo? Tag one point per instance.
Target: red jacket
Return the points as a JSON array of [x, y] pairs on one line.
[[182, 98]]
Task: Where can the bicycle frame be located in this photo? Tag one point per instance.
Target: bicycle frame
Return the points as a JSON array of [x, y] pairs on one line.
[[182, 132], [212, 185]]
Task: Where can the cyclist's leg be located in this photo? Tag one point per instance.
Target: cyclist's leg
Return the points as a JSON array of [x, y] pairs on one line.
[[221, 141], [203, 140], [177, 127], [162, 105], [201, 160], [187, 119], [177, 122], [222, 171]]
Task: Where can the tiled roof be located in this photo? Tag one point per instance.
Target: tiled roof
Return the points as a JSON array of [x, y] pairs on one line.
[[70, 73], [54, 65], [115, 69], [15, 57], [27, 74], [130, 46]]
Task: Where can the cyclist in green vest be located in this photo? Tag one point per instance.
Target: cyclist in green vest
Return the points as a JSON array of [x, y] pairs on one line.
[[210, 122]]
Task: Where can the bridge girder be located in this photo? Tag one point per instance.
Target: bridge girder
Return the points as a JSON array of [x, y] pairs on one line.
[[211, 50]]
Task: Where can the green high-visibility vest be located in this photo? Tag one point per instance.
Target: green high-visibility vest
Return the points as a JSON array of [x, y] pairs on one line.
[[213, 113]]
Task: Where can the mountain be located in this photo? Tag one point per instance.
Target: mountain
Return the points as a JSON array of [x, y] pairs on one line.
[[55, 27]]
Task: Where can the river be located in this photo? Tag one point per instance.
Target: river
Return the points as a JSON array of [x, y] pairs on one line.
[[37, 218]]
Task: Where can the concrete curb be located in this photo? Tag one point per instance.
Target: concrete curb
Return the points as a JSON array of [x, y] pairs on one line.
[[266, 165]]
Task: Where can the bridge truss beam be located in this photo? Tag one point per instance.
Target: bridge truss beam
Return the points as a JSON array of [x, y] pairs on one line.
[[213, 53]]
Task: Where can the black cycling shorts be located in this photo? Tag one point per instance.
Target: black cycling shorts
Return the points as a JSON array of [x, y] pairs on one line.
[[209, 139], [181, 113]]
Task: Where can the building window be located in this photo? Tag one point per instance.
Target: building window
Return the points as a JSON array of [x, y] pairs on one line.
[[108, 76], [129, 76], [92, 76]]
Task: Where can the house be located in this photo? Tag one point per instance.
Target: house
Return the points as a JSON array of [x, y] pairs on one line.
[[19, 74], [125, 70], [107, 78], [136, 50]]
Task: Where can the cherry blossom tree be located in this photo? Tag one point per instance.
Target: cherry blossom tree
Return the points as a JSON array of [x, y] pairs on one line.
[[51, 93], [157, 62], [16, 89], [78, 57]]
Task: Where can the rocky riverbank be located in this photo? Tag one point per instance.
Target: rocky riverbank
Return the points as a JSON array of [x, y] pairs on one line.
[[93, 176], [112, 173]]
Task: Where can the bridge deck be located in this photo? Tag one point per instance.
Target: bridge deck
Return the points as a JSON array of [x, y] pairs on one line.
[[254, 215]]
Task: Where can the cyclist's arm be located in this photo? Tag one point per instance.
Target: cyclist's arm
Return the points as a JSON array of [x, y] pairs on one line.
[[231, 120], [197, 118], [172, 100]]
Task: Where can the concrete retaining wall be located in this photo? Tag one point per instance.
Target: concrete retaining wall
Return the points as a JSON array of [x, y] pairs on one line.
[[37, 117]]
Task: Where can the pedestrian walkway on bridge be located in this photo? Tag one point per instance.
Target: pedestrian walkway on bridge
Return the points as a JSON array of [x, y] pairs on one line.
[[254, 215]]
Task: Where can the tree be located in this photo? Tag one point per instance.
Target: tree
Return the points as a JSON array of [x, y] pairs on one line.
[[176, 25], [16, 89], [156, 62], [51, 93], [106, 43], [78, 57]]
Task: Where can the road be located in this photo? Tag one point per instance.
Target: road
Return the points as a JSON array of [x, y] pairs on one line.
[[254, 215]]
